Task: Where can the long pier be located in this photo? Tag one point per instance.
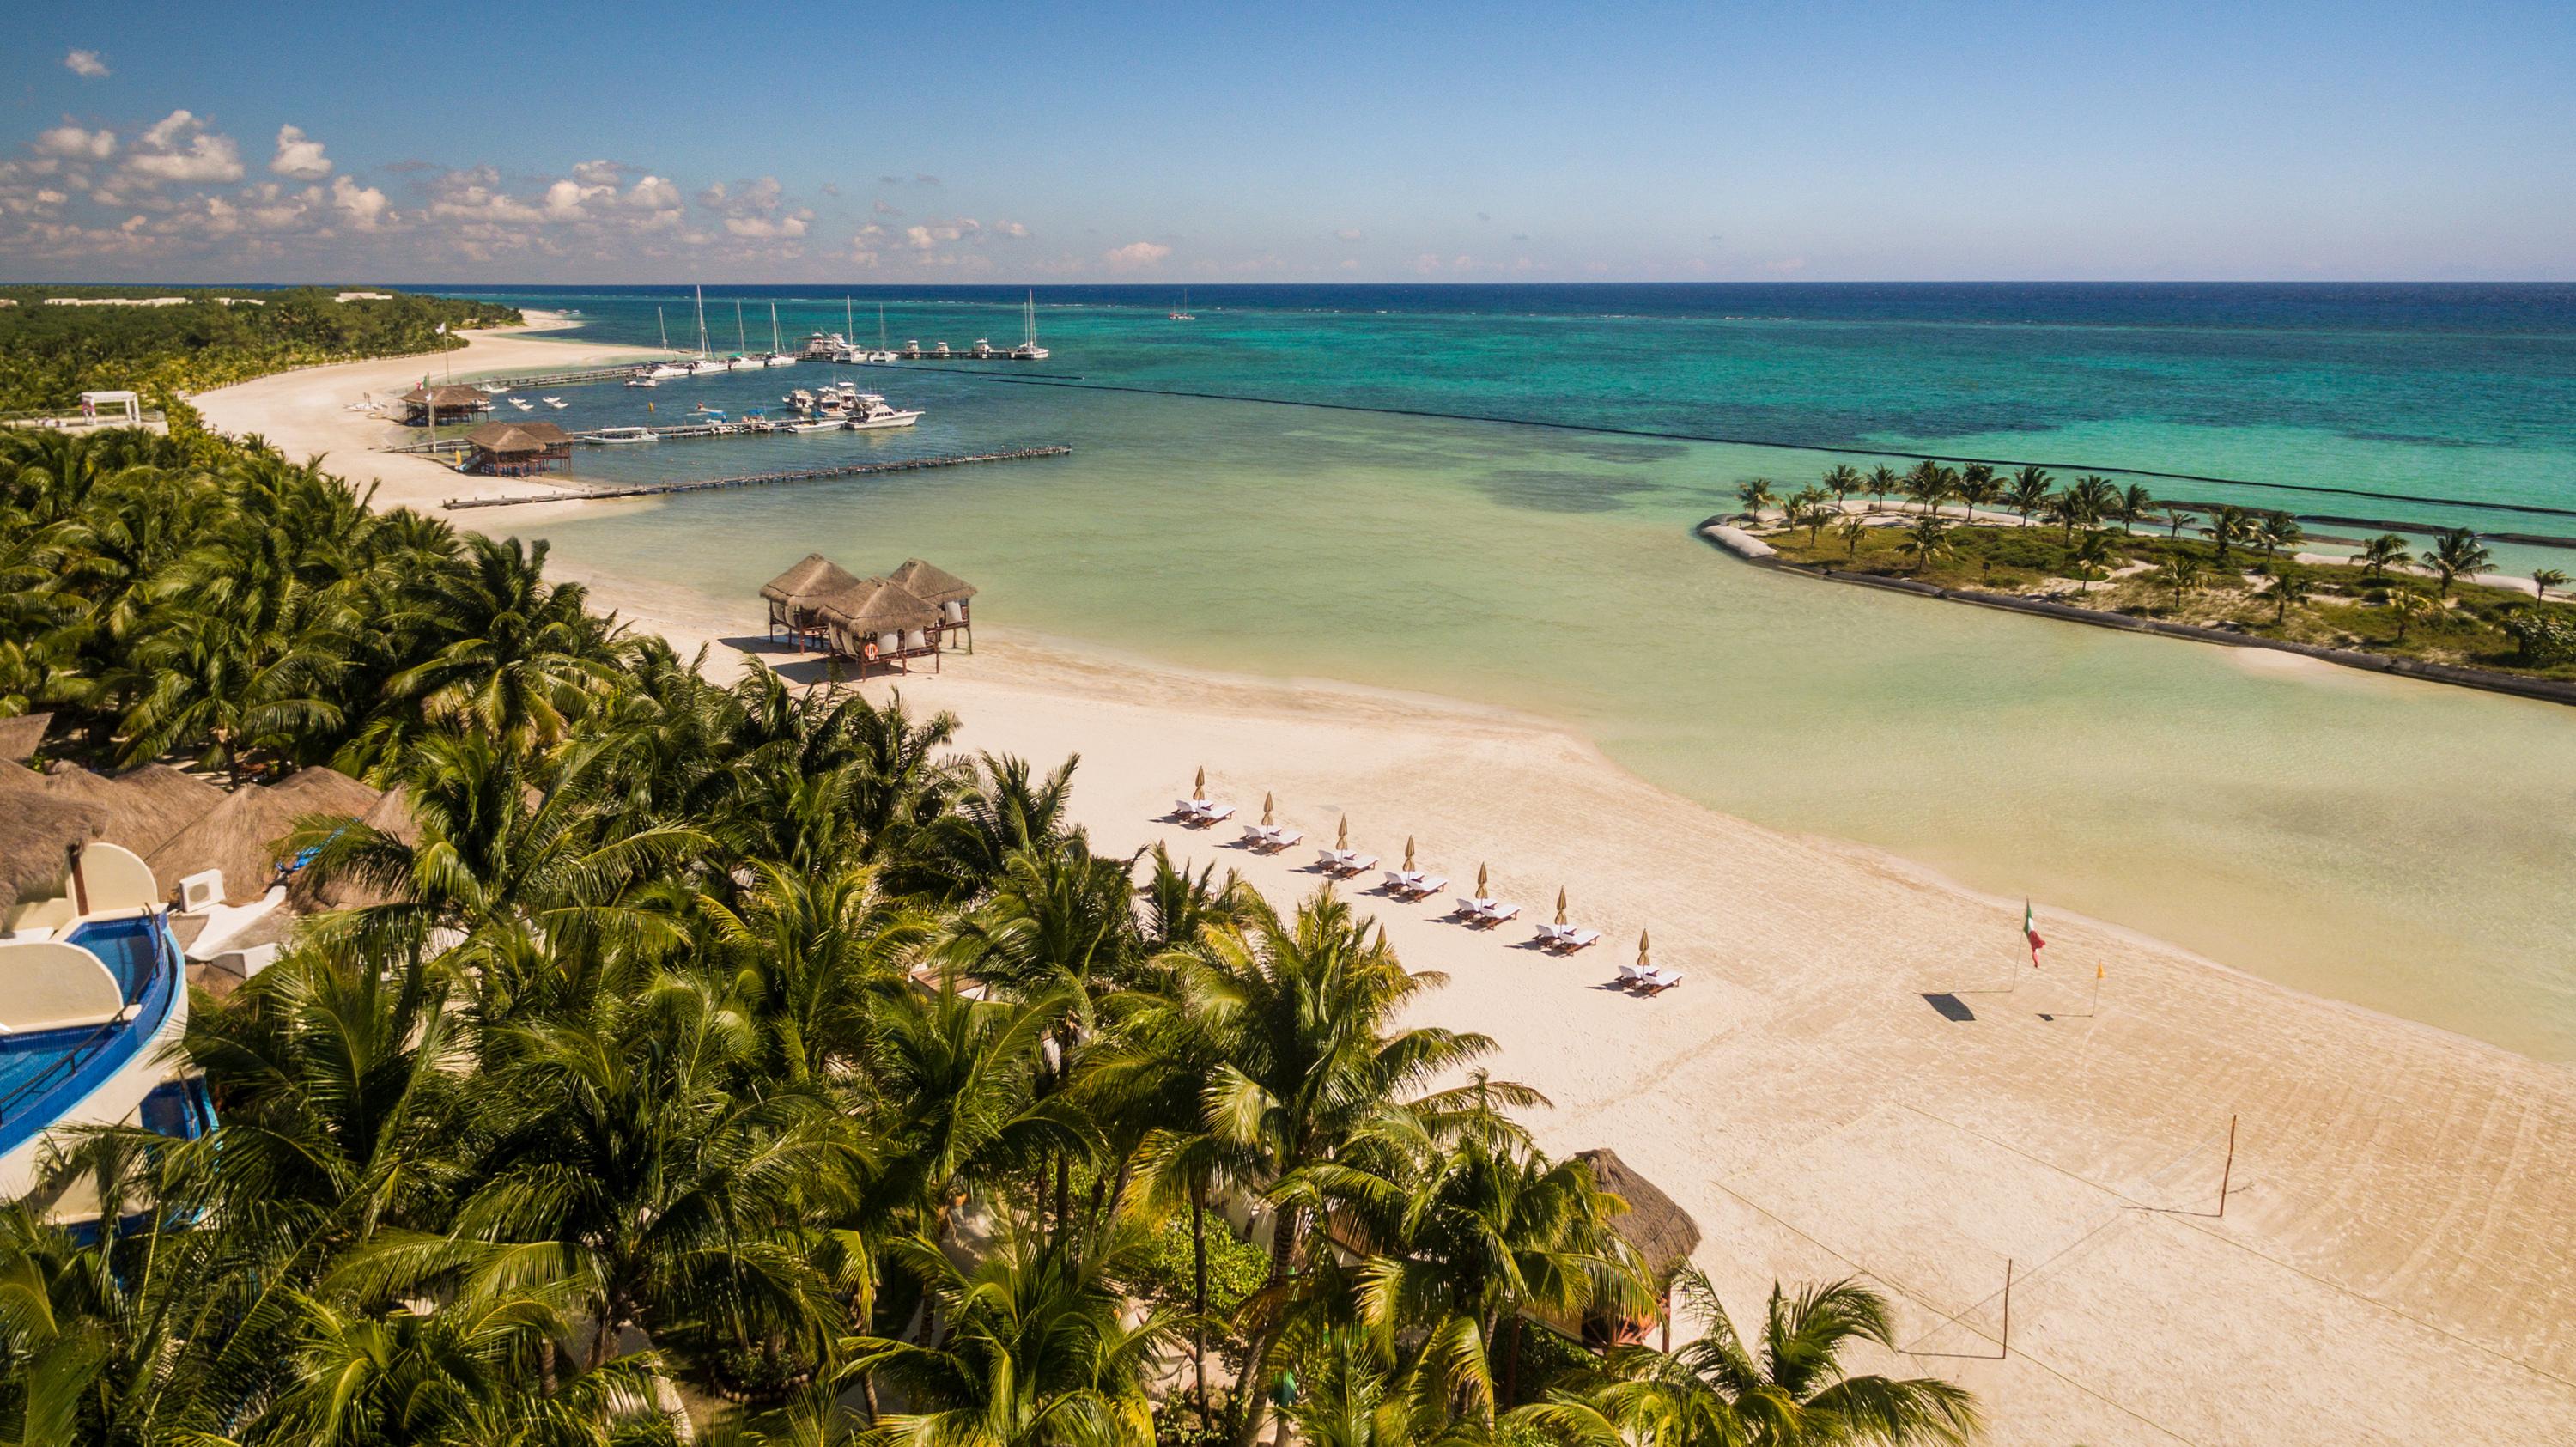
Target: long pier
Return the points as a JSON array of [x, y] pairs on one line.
[[766, 479], [573, 379]]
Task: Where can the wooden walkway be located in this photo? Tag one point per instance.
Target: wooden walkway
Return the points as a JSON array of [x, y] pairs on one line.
[[763, 479]]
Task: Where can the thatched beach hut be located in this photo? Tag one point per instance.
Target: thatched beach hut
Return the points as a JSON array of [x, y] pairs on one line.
[[21, 736], [878, 620], [308, 893], [35, 826], [143, 808], [953, 596], [241, 835], [519, 449], [1663, 1233], [444, 404], [793, 595]]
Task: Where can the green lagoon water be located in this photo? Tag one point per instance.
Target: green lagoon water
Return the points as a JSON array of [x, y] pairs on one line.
[[2403, 846]]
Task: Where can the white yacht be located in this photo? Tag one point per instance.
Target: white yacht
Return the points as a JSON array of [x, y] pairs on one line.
[[626, 434], [522, 404], [871, 412], [666, 371], [556, 403], [1028, 350]]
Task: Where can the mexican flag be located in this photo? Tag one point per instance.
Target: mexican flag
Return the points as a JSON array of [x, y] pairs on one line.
[[2030, 931]]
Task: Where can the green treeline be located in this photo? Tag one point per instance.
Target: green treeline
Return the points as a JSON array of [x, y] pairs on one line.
[[751, 1049], [49, 355]]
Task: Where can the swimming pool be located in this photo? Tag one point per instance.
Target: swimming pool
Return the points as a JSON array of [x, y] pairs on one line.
[[44, 1075], [128, 947]]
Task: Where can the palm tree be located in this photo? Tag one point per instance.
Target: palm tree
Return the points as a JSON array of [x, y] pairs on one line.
[[1787, 1387], [2228, 525], [2177, 518], [1851, 530], [2377, 555], [1977, 486], [2133, 503], [2277, 531], [2544, 579], [1034, 1349], [1756, 496], [2289, 586], [2029, 491], [1842, 480], [1926, 541], [1882, 481], [1928, 484], [2407, 605], [515, 656], [2092, 555], [2181, 573], [1305, 1010], [2455, 553], [1814, 513], [2094, 499]]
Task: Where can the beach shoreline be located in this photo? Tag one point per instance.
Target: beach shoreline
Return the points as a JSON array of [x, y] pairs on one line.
[[1861, 1072]]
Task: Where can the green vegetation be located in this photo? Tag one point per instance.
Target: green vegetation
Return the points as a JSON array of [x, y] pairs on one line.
[[623, 1084], [2237, 574], [49, 355]]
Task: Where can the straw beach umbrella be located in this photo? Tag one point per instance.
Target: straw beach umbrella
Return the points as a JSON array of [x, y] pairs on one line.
[[1342, 836], [1642, 962], [1198, 786], [1408, 851], [1265, 809], [1560, 904], [1480, 881]]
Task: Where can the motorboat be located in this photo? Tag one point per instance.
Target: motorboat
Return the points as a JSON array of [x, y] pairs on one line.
[[556, 403], [643, 381], [521, 404], [872, 412], [666, 371], [626, 434], [982, 351]]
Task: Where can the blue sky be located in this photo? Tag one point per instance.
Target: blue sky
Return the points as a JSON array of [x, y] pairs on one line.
[[1020, 142]]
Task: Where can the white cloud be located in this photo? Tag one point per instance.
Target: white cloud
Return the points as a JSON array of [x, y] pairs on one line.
[[73, 143], [1011, 229], [1350, 233], [767, 228], [178, 147], [86, 64], [1136, 255], [365, 206], [299, 156]]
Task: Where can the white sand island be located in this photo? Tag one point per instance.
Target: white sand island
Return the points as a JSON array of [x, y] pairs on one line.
[[1862, 1073]]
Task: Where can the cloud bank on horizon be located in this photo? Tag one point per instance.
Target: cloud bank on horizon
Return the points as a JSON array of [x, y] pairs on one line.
[[1662, 141]]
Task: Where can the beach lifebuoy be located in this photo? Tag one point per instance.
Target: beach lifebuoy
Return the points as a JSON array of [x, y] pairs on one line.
[[868, 650]]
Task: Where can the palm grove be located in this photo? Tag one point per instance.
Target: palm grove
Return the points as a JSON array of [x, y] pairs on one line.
[[2239, 567], [753, 1042]]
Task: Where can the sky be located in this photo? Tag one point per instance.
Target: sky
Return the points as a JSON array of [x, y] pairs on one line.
[[1009, 142]]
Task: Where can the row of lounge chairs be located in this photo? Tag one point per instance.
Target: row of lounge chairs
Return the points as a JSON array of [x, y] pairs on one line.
[[1414, 885]]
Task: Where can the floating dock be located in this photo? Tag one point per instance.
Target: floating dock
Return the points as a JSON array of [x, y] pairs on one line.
[[765, 479]]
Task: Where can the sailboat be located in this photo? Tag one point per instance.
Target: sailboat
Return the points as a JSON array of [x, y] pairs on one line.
[[1182, 314], [1028, 350], [661, 371], [778, 356]]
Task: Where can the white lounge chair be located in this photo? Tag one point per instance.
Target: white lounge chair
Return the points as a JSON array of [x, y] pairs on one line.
[[1283, 837], [1187, 810], [1631, 975], [1355, 862], [1400, 880], [1655, 979], [1255, 836], [1566, 938], [1423, 886], [1213, 814], [1486, 913]]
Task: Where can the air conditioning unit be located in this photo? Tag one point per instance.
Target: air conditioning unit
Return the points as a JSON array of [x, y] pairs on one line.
[[201, 891], [247, 961]]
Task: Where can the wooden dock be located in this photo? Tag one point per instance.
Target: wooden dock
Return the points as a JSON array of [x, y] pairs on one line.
[[574, 379], [765, 479]]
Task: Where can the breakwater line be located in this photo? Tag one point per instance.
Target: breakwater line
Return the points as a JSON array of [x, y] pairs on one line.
[[764, 479], [1822, 449]]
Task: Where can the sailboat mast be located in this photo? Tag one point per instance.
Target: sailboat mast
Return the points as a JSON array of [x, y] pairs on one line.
[[702, 320], [664, 323], [741, 338], [773, 327]]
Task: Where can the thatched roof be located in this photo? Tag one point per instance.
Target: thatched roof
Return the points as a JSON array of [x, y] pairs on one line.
[[930, 584], [144, 807], [447, 397], [20, 736], [240, 836], [308, 894], [813, 579], [514, 438], [873, 605], [35, 824], [1655, 1224]]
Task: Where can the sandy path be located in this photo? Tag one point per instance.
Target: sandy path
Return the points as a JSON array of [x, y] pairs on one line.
[[1863, 1074]]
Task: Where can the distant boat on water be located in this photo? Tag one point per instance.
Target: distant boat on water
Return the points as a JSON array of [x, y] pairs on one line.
[[1180, 313], [1028, 350]]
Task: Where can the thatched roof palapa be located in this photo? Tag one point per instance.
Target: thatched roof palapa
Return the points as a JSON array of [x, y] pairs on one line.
[[809, 582], [144, 808], [514, 438], [446, 397], [876, 605], [241, 835], [35, 824], [1655, 1224], [21, 736], [308, 893], [930, 584]]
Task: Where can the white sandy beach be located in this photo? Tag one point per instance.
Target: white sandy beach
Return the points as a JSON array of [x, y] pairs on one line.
[[1862, 1074]]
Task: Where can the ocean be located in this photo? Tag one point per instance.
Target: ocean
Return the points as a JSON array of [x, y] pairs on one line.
[[1490, 493]]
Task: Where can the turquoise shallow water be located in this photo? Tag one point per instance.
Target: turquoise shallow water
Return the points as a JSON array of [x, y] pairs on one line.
[[2402, 846]]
